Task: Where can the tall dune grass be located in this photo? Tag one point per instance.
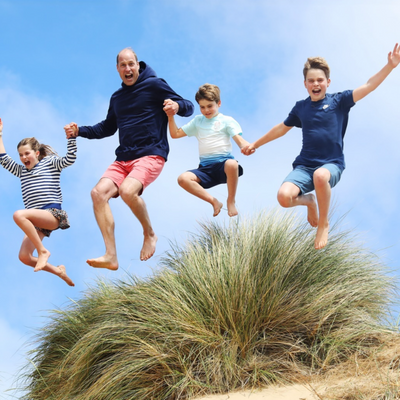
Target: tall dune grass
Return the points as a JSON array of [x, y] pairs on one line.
[[236, 306]]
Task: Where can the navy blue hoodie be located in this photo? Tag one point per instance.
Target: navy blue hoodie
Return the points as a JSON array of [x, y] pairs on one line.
[[137, 112]]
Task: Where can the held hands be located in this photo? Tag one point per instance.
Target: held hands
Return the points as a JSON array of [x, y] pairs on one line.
[[71, 130], [394, 56], [248, 150], [170, 107]]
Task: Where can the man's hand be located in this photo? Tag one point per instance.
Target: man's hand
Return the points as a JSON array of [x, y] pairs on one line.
[[71, 130], [170, 107]]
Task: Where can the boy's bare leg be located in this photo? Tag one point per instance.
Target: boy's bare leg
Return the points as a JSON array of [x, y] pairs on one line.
[[231, 169], [27, 220], [323, 191], [101, 194], [129, 192], [289, 196], [190, 182], [26, 256]]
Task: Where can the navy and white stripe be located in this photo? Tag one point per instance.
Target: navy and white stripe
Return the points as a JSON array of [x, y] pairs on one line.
[[41, 185]]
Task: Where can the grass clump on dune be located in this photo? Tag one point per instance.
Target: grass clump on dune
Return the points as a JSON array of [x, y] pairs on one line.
[[235, 307]]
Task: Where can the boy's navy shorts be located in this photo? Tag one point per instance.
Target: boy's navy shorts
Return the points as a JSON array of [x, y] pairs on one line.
[[302, 177], [212, 174]]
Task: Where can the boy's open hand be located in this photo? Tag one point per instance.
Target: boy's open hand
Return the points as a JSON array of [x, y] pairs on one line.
[[394, 56]]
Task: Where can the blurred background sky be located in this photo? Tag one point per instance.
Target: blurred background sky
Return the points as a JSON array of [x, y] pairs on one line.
[[57, 65]]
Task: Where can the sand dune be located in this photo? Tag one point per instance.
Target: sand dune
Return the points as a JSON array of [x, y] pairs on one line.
[[294, 392]]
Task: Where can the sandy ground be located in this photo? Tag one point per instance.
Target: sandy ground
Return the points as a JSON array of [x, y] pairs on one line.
[[295, 392]]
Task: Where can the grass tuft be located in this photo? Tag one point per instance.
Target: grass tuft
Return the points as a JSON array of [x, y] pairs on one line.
[[238, 306]]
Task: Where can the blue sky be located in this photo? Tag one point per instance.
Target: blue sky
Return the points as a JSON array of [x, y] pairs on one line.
[[57, 65]]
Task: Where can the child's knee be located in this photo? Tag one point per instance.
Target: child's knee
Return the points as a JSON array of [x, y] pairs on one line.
[[183, 179], [321, 177], [17, 216], [284, 198], [231, 166]]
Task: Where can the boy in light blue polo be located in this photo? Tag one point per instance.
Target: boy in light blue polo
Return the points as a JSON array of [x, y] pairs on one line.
[[323, 119], [217, 164]]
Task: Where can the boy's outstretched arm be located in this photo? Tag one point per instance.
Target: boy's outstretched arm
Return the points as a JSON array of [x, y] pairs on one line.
[[174, 131], [2, 148], [240, 141], [276, 132], [377, 79]]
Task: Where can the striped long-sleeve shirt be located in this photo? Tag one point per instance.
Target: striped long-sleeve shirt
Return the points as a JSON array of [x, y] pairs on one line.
[[41, 185]]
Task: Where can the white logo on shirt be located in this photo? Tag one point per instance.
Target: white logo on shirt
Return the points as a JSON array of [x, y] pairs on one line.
[[217, 125]]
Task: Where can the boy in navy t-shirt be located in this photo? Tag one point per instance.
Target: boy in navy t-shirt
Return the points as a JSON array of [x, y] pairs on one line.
[[323, 119]]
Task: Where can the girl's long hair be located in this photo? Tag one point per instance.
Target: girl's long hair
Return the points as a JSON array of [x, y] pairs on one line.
[[43, 149]]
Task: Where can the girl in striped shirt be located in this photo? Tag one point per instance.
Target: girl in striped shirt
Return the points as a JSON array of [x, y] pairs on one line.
[[41, 193]]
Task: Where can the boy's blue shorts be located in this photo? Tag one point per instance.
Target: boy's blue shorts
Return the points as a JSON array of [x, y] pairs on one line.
[[212, 174], [302, 177]]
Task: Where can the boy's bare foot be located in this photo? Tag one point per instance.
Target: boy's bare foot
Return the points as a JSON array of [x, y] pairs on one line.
[[232, 211], [104, 262], [312, 210], [42, 260], [63, 275], [149, 247], [322, 237], [217, 207]]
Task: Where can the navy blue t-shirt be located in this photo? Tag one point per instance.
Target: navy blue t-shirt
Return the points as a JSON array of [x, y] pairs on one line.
[[323, 124]]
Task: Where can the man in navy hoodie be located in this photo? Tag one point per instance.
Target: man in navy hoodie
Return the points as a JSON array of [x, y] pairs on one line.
[[138, 111]]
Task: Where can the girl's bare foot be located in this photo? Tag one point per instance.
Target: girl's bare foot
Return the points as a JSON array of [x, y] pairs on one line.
[[42, 260], [149, 247], [63, 275], [217, 205], [232, 211], [322, 237], [104, 262]]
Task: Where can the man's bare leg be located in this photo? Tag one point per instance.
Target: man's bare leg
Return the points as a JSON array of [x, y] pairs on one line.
[[289, 196], [129, 192], [323, 191], [191, 183], [231, 169], [26, 256], [101, 194]]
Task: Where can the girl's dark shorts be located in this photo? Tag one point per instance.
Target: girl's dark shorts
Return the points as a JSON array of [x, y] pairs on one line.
[[62, 217]]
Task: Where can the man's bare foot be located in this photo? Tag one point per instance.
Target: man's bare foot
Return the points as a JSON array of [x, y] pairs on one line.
[[312, 210], [322, 237], [63, 275], [42, 260], [149, 247], [232, 211], [104, 262], [217, 207]]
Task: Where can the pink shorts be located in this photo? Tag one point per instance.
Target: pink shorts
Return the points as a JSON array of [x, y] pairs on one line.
[[145, 170]]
